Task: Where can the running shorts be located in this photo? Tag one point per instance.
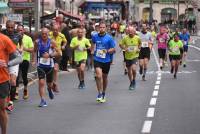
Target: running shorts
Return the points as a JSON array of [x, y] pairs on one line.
[[14, 70], [162, 53], [45, 73], [131, 62], [78, 63], [104, 66], [174, 57], [4, 89], [144, 53]]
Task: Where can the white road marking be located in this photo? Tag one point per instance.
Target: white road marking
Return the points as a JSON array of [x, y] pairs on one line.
[[159, 78], [150, 112], [155, 93], [147, 126], [197, 48], [159, 74], [153, 101], [157, 82], [156, 58], [156, 87]]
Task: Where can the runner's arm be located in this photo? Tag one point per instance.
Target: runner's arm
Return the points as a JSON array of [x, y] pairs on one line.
[[14, 59]]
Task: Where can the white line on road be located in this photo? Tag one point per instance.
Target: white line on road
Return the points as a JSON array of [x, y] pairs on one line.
[[156, 58], [147, 127], [153, 101], [157, 82], [159, 78], [195, 47], [150, 112], [156, 87], [155, 93]]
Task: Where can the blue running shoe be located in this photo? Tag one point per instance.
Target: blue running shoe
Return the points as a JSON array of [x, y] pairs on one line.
[[43, 103], [99, 97], [103, 100], [51, 95]]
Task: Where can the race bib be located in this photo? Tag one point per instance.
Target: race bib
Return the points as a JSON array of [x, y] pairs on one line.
[[175, 49], [161, 40], [80, 48], [45, 61], [131, 48], [185, 42], [145, 44], [101, 53]]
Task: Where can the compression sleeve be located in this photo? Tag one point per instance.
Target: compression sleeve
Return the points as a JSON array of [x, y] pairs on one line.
[[15, 58]]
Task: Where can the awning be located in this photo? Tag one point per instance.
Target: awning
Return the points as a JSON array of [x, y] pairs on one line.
[[3, 7]]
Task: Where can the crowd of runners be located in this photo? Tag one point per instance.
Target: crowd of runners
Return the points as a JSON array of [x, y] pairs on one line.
[[92, 46]]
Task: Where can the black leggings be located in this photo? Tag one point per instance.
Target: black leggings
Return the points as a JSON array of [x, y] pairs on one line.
[[23, 68]]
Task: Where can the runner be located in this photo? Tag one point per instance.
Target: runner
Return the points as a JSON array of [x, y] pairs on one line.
[[103, 47], [185, 37], [46, 51], [61, 42], [174, 48], [13, 70], [145, 51], [124, 61], [162, 40], [80, 45], [131, 44], [24, 66], [7, 52]]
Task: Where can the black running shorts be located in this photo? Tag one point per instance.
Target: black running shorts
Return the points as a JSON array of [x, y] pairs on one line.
[[4, 89], [144, 53], [45, 73], [104, 66], [174, 57], [162, 53]]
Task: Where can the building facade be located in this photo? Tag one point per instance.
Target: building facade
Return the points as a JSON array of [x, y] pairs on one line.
[[163, 10]]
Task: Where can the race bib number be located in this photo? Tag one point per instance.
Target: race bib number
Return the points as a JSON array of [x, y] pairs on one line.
[[101, 53], [80, 48], [45, 61], [161, 40], [145, 44], [175, 49], [185, 42], [131, 48]]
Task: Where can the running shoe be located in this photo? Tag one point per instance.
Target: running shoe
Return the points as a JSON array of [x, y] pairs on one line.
[[175, 77], [43, 103], [161, 67], [132, 85], [103, 100], [26, 94], [51, 95], [10, 106], [99, 97], [16, 96], [143, 78], [80, 86], [55, 88], [184, 65], [172, 70], [83, 85]]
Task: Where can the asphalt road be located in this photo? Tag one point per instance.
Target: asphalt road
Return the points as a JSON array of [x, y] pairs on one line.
[[160, 105]]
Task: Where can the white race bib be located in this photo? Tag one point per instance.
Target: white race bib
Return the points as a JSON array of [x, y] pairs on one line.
[[175, 49], [80, 48], [101, 53], [145, 44], [131, 48], [161, 40], [185, 42], [45, 61]]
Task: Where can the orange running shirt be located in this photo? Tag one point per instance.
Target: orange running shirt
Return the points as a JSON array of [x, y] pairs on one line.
[[6, 48]]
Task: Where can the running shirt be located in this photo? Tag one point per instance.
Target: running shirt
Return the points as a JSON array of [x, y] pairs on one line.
[[146, 38], [15, 37], [185, 38], [102, 44], [132, 44], [174, 47], [122, 28], [60, 39], [80, 53], [27, 43], [7, 47], [162, 40], [44, 48]]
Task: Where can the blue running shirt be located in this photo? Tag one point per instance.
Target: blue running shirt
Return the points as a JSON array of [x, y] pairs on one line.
[[102, 44], [185, 38]]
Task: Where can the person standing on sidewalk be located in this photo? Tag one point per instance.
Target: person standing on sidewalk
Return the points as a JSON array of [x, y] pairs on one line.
[[9, 56], [28, 48], [103, 48], [46, 51], [80, 45]]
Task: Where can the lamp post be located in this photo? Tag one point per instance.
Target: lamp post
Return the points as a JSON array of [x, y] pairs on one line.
[[151, 11]]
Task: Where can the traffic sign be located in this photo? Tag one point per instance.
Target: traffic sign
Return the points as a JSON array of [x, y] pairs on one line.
[[21, 4]]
